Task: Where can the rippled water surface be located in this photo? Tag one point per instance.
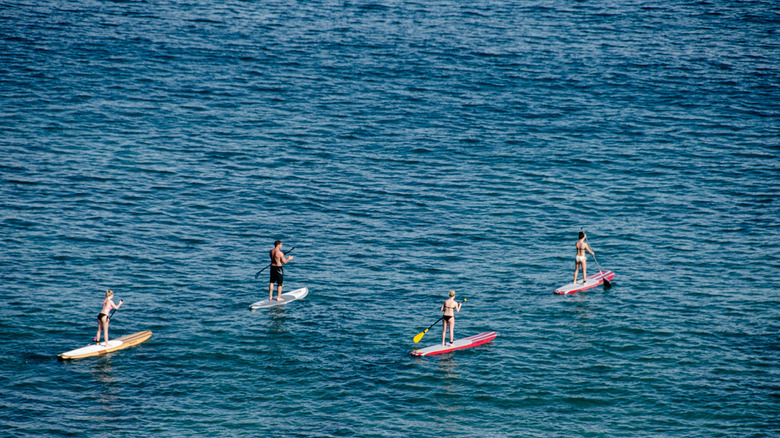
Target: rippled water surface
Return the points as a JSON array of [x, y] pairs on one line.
[[403, 149]]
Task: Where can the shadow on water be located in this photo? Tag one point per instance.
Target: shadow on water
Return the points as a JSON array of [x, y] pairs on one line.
[[279, 318], [449, 369], [102, 370], [103, 374], [276, 321], [108, 388]]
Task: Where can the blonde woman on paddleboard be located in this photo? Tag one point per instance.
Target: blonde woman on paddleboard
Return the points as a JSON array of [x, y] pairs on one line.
[[102, 317], [581, 259], [449, 308]]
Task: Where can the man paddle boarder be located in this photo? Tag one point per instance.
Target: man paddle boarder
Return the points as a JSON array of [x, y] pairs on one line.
[[278, 260], [581, 258]]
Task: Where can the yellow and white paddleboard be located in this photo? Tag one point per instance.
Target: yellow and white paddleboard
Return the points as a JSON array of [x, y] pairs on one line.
[[113, 345], [288, 297]]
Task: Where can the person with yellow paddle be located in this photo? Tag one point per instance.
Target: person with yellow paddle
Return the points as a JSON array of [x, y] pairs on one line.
[[449, 308]]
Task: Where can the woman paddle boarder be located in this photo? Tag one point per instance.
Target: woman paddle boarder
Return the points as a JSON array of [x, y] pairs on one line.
[[581, 258], [102, 317], [449, 308]]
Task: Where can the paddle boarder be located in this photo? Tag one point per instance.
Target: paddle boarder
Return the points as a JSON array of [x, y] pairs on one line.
[[581, 259], [449, 308], [103, 318], [278, 260]]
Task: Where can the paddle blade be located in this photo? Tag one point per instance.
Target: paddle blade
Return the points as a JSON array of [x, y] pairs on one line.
[[607, 284], [419, 337]]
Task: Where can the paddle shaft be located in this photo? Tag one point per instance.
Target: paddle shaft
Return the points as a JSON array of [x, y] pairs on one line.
[[269, 265], [594, 256], [607, 285], [437, 321], [111, 315]]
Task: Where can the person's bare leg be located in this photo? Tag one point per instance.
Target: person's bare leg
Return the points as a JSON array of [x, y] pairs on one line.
[[100, 327], [443, 330], [576, 270], [279, 293], [452, 329], [270, 292], [584, 271], [105, 329]]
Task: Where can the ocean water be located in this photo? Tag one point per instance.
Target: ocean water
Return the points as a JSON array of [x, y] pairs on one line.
[[404, 148]]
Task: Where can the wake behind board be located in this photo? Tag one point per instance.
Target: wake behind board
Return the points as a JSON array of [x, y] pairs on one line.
[[471, 341], [288, 297], [113, 345], [592, 281]]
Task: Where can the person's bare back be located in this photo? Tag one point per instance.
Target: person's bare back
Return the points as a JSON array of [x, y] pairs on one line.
[[582, 246], [276, 257]]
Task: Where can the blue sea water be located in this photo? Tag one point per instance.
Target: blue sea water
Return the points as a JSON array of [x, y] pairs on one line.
[[404, 148]]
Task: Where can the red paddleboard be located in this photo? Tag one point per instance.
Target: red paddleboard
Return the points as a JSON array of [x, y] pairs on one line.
[[593, 281], [471, 341]]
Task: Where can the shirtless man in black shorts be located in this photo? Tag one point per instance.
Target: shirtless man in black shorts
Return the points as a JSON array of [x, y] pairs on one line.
[[277, 271]]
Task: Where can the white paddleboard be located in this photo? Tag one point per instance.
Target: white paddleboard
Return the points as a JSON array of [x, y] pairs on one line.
[[91, 350], [471, 341], [287, 297], [592, 281], [113, 345]]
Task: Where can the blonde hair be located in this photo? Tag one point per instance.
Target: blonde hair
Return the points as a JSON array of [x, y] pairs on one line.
[[452, 292], [109, 293]]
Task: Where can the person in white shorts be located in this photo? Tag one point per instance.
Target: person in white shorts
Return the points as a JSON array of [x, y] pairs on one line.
[[581, 259]]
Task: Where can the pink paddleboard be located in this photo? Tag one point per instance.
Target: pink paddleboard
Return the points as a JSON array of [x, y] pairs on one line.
[[471, 341], [593, 281]]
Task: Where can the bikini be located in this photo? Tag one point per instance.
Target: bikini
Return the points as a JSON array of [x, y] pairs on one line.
[[447, 318]]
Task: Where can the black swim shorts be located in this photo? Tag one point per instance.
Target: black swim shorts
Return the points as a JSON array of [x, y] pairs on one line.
[[277, 275]]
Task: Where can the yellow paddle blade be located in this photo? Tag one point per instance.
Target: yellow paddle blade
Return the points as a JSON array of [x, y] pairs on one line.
[[419, 337]]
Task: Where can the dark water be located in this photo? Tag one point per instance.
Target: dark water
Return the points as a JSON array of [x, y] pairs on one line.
[[403, 149]]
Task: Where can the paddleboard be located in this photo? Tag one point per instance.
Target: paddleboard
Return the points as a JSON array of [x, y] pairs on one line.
[[471, 341], [113, 345], [592, 281], [287, 297]]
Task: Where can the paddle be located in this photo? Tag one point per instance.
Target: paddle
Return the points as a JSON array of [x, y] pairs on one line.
[[269, 265], [110, 315], [420, 335], [607, 284]]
